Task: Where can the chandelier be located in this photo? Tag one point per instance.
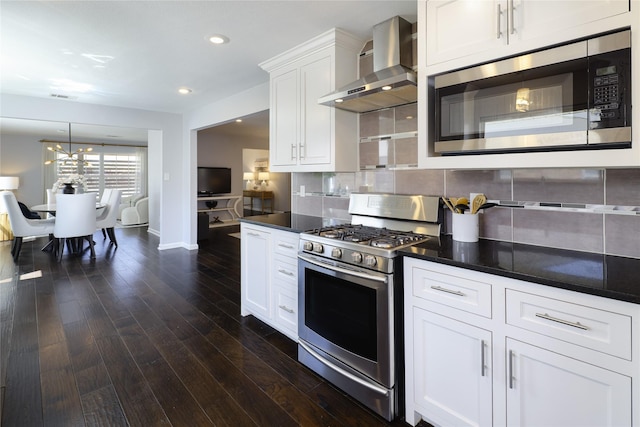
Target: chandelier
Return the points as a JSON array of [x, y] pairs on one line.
[[68, 157]]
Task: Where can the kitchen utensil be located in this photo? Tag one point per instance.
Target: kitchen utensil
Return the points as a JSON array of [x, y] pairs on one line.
[[487, 206], [449, 205], [461, 207], [463, 201], [478, 201]]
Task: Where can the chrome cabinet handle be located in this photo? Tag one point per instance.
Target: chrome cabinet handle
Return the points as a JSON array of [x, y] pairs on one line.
[[253, 234], [293, 151], [562, 321], [449, 291], [511, 369], [282, 245], [511, 21], [303, 151], [283, 271], [499, 20], [287, 309], [482, 361]]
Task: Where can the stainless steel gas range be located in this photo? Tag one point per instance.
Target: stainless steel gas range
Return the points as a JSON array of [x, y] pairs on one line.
[[350, 295]]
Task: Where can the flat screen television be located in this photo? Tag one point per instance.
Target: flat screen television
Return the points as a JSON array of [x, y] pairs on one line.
[[212, 181]]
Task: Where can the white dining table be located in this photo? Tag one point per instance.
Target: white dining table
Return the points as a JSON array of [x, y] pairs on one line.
[[51, 207]]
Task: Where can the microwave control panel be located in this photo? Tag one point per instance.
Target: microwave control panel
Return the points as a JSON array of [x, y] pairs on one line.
[[610, 87]]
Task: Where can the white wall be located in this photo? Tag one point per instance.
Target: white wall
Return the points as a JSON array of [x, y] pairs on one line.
[[167, 190], [21, 156]]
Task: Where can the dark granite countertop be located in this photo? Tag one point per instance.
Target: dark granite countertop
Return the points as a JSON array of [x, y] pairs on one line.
[[291, 222], [604, 275]]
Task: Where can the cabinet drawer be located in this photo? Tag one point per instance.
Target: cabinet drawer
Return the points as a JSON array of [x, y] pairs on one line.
[[286, 244], [285, 269], [285, 305], [586, 326], [453, 291]]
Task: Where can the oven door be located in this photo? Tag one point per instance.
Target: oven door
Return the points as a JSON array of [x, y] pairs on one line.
[[348, 313]]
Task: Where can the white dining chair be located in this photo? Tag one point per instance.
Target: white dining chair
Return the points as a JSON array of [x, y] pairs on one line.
[[107, 219], [22, 226], [106, 194], [75, 220]]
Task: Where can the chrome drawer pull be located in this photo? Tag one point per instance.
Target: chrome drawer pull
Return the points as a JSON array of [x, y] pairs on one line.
[[482, 361], [564, 322], [449, 291], [499, 19], [511, 369], [253, 234], [283, 271], [282, 245], [287, 309]]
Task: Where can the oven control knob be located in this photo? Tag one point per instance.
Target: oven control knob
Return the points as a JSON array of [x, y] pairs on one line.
[[307, 246], [317, 247], [356, 257], [336, 253], [370, 260]]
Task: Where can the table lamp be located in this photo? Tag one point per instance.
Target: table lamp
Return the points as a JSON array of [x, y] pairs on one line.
[[249, 177], [9, 182], [264, 177]]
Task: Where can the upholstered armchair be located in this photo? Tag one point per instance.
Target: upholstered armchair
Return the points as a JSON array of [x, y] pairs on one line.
[[128, 201], [137, 214]]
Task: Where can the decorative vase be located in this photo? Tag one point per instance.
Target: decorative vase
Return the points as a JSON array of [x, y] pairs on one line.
[[68, 189]]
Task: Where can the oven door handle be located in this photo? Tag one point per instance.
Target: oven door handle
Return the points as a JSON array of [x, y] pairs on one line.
[[341, 371], [343, 270]]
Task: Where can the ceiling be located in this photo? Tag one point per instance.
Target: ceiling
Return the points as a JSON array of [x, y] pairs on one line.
[[138, 53]]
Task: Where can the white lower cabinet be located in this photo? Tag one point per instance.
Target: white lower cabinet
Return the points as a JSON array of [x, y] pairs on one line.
[[452, 377], [255, 264], [269, 277], [548, 389], [528, 355]]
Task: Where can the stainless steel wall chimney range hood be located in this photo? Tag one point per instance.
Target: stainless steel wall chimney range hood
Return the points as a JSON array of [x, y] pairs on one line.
[[392, 82]]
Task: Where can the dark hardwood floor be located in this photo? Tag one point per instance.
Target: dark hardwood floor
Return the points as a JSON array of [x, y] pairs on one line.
[[143, 337]]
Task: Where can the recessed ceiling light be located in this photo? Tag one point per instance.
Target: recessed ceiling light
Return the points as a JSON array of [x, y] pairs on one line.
[[185, 90], [219, 39]]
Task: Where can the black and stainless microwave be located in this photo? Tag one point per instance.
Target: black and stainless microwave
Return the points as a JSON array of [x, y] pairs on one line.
[[573, 96]]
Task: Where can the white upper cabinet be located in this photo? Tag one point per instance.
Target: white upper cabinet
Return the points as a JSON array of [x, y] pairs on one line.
[[461, 28], [459, 34], [304, 135]]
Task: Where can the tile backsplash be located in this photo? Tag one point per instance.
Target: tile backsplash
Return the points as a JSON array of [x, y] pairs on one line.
[[615, 232]]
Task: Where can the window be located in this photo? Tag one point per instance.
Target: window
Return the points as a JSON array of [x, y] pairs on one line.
[[120, 168]]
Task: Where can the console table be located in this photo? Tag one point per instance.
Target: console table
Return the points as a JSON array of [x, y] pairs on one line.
[[259, 195], [229, 204]]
